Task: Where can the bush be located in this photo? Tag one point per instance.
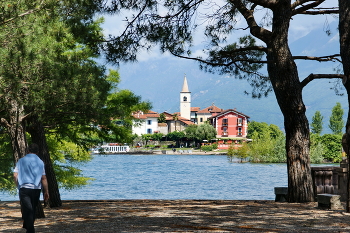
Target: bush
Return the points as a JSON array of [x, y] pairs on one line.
[[267, 150], [215, 146], [316, 153], [207, 148], [332, 147]]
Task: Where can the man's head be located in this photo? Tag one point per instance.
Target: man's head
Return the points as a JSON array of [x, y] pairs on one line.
[[33, 148]]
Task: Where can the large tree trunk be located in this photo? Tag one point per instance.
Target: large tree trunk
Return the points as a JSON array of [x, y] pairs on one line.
[[37, 133], [16, 129], [285, 81], [344, 24]]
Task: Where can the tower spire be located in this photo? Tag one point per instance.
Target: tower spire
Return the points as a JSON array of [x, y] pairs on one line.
[[185, 85], [185, 101]]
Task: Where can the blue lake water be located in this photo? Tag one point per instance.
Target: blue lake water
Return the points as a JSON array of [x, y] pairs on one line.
[[175, 177]]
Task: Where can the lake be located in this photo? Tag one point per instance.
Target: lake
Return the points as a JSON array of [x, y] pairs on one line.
[[169, 177]]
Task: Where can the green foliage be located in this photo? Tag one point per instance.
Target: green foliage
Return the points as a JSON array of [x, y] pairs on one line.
[[49, 69], [336, 122], [332, 147], [175, 136], [215, 146], [205, 132], [259, 129], [241, 152], [268, 143], [317, 123], [66, 157], [6, 165], [157, 136], [191, 132], [207, 148], [316, 153], [161, 118]]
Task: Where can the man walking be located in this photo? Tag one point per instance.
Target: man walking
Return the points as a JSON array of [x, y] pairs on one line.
[[30, 177]]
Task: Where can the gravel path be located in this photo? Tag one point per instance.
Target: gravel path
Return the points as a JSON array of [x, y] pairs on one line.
[[179, 216]]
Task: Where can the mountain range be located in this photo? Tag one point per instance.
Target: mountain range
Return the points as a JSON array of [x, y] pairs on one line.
[[159, 80]]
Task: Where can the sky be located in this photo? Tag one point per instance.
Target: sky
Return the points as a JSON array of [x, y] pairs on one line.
[[300, 26]]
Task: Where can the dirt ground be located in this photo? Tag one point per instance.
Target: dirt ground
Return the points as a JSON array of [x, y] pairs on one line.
[[179, 216]]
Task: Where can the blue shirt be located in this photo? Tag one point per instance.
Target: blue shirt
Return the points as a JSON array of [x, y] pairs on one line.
[[30, 169]]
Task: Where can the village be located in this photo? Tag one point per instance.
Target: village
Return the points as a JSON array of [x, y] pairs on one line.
[[231, 125]]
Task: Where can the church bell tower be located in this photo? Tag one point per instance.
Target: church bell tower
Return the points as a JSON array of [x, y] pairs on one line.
[[185, 101]]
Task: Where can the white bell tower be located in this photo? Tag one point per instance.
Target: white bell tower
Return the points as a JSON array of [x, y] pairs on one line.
[[185, 101]]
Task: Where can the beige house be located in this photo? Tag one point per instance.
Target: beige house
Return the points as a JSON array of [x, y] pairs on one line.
[[204, 114]]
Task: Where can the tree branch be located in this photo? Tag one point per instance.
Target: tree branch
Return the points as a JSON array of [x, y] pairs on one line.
[[40, 7], [303, 8], [320, 12], [255, 29], [320, 59], [265, 3], [217, 64], [311, 77], [243, 49]]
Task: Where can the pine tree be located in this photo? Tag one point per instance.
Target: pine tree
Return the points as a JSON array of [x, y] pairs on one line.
[[317, 123], [336, 122]]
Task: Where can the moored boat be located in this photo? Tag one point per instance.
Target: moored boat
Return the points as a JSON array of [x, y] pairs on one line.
[[111, 148]]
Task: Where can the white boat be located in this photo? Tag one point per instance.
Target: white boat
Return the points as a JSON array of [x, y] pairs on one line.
[[111, 148]]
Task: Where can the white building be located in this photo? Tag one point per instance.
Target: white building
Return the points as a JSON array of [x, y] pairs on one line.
[[146, 123], [185, 101]]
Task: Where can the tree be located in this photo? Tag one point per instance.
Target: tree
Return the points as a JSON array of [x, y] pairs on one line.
[[162, 118], [257, 128], [317, 123], [50, 81], [175, 118], [176, 136], [260, 129], [191, 132], [268, 143], [344, 39], [172, 28], [206, 132], [336, 122], [332, 147]]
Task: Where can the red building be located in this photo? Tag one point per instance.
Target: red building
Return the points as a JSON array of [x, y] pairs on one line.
[[231, 127]]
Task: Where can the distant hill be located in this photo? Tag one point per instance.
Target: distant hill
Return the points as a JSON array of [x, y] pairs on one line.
[[160, 81]]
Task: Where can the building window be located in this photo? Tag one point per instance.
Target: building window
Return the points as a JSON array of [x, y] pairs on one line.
[[201, 119], [239, 121], [149, 122], [225, 133], [239, 131], [225, 122], [185, 98], [149, 131]]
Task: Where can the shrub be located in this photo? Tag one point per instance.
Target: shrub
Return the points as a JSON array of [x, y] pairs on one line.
[[207, 148], [332, 147], [316, 153]]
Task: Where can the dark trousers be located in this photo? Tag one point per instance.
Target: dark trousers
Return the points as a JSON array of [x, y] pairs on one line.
[[29, 199]]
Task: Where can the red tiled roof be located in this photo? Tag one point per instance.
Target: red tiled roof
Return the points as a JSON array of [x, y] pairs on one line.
[[195, 109], [170, 117], [211, 109], [142, 115], [227, 111]]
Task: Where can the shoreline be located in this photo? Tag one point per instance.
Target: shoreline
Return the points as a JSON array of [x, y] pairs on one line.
[[159, 152], [179, 216]]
